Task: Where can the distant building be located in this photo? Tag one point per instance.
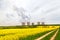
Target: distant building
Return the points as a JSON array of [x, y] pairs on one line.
[[32, 23], [43, 23], [23, 23], [28, 23], [38, 23]]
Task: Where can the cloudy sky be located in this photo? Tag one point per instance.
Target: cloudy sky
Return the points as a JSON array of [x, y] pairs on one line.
[[12, 12]]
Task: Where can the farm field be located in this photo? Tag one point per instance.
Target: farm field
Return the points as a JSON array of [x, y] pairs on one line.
[[27, 33]]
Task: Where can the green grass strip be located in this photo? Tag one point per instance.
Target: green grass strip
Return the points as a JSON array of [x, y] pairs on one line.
[[58, 35], [32, 37], [49, 36]]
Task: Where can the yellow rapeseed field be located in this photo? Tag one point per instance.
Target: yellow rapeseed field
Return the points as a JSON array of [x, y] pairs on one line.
[[15, 34]]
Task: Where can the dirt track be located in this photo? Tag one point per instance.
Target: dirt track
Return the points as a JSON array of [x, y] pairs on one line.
[[52, 38]]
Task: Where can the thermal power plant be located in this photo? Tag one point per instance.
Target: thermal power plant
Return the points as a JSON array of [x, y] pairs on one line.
[[38, 23], [23, 23], [28, 23], [24, 18], [42, 23], [33, 23]]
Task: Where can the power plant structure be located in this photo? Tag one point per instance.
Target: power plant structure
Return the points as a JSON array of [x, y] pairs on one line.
[[28, 23], [25, 20]]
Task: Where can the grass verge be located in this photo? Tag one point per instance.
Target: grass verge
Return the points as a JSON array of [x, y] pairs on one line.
[[58, 35]]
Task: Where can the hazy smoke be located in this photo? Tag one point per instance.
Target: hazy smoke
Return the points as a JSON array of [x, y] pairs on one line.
[[21, 13]]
